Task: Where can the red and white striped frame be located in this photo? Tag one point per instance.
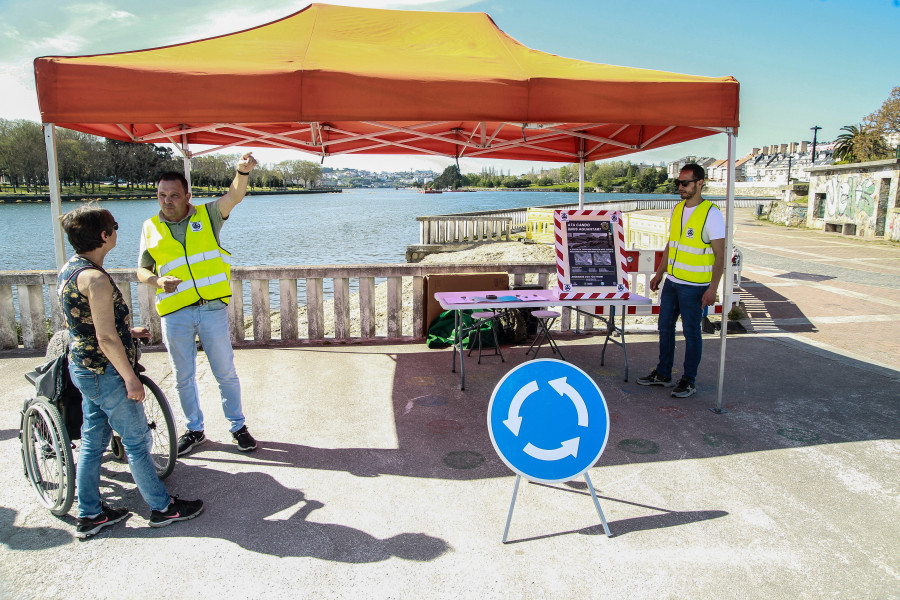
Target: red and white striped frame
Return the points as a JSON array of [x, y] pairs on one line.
[[560, 217], [647, 309]]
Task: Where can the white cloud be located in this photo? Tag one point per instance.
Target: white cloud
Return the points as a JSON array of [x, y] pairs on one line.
[[19, 100], [59, 44]]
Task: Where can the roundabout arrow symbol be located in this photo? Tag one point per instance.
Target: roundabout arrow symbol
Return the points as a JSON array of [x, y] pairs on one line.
[[564, 389], [568, 447], [514, 421]]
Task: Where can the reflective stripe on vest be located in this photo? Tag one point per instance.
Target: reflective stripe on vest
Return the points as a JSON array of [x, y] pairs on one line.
[[202, 265], [690, 258]]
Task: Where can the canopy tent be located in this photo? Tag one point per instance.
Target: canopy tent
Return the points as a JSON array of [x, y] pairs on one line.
[[332, 80]]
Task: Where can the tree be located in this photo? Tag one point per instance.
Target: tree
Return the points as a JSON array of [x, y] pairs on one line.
[[309, 172], [22, 154], [860, 143], [887, 119], [449, 179]]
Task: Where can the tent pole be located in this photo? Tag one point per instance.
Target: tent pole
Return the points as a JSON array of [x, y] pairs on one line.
[[728, 283], [581, 176], [59, 247], [186, 160], [580, 207]]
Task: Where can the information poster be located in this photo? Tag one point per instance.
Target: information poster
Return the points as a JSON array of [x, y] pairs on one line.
[[590, 262], [592, 254]]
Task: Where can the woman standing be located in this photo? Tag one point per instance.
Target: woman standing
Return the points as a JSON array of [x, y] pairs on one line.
[[101, 364]]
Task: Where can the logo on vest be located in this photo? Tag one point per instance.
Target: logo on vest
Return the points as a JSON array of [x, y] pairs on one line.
[[196, 226], [689, 233]]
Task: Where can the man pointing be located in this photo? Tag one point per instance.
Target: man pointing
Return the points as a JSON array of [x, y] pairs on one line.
[[182, 258]]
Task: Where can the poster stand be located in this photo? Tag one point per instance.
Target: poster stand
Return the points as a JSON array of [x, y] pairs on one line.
[[590, 262], [512, 505]]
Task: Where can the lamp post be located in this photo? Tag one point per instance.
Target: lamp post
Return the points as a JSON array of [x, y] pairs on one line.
[[815, 131], [790, 158]]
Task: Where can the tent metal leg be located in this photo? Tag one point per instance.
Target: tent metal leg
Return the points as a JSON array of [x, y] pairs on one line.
[[59, 246], [728, 283]]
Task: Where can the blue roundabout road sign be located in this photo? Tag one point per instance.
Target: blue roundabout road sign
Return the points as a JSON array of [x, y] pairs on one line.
[[548, 420]]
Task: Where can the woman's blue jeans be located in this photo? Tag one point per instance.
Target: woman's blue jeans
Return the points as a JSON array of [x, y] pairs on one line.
[[106, 408], [180, 330], [685, 300]]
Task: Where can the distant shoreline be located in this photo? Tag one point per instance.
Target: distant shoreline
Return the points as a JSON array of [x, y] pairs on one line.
[[40, 198]]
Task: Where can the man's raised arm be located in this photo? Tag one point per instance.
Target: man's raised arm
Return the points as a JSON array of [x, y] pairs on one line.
[[238, 188]]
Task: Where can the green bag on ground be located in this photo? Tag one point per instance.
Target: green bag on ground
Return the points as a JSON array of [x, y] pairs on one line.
[[442, 332]]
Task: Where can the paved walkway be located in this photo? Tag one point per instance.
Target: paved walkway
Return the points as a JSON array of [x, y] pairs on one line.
[[376, 477], [822, 289]]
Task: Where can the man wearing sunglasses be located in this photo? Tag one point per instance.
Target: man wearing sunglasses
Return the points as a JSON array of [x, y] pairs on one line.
[[692, 264]]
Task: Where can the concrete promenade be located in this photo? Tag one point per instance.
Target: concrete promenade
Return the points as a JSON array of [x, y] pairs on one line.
[[376, 477]]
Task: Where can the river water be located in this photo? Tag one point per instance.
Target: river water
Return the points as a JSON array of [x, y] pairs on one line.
[[357, 226]]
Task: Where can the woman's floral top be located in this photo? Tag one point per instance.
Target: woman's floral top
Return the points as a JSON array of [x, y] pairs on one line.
[[83, 347]]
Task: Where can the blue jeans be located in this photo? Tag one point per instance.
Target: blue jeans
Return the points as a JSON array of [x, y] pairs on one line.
[[210, 322], [107, 407], [687, 301]]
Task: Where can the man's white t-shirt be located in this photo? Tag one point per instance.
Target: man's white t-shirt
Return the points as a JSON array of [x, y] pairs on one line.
[[713, 229]]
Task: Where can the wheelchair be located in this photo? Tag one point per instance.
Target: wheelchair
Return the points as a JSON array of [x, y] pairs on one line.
[[50, 426]]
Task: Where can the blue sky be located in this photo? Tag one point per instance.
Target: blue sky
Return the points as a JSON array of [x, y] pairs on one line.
[[800, 62]]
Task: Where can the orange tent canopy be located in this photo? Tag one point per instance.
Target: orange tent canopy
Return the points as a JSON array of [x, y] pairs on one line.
[[333, 80]]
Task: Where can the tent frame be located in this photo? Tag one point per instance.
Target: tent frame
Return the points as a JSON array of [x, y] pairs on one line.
[[316, 130]]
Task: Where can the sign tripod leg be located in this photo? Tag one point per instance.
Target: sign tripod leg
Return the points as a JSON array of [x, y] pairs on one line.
[[512, 505], [596, 503]]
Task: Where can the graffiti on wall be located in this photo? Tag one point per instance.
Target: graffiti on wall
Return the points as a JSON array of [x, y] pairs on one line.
[[848, 196], [893, 228], [851, 199]]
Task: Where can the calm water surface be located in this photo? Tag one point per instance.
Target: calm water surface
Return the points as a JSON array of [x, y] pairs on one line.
[[353, 227]]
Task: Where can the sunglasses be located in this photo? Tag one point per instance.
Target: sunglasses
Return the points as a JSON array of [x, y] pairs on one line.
[[684, 182], [115, 226]]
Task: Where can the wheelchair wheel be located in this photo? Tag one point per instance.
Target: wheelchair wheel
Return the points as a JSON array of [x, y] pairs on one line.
[[47, 452], [162, 427]]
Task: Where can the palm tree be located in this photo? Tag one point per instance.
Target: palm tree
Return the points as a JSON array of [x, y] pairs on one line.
[[860, 144], [845, 144]]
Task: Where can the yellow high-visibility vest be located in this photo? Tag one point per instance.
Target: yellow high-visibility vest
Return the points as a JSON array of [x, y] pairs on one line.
[[690, 258], [203, 267]]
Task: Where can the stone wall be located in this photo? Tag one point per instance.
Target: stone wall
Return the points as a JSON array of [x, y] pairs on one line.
[[792, 214], [859, 198], [892, 231], [745, 189]]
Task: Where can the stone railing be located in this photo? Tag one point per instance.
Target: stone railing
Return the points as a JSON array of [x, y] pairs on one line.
[[33, 290], [402, 319]]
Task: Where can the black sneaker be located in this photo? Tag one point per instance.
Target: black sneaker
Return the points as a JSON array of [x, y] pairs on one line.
[[91, 526], [684, 389], [654, 378], [179, 510], [243, 439], [188, 440]]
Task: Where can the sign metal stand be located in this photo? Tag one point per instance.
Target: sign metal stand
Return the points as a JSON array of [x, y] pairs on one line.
[[548, 422], [512, 505]]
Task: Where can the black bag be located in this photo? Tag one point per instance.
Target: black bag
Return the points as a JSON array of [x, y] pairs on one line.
[[516, 325]]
